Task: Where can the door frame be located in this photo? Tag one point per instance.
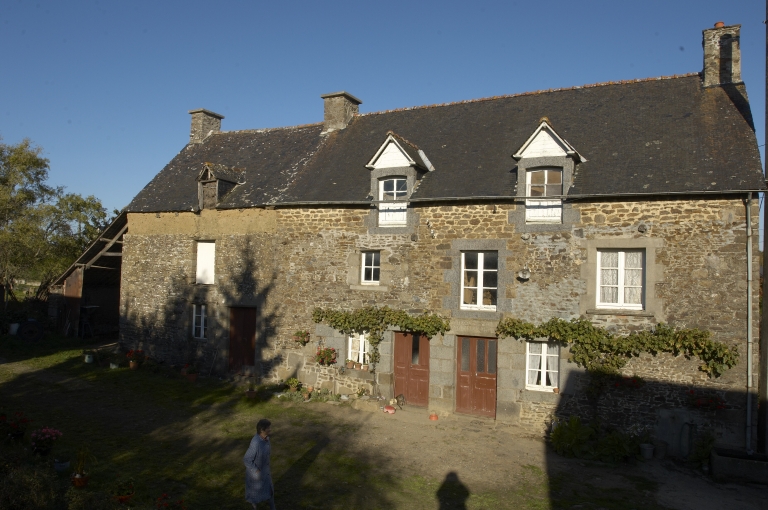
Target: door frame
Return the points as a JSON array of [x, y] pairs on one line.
[[473, 379], [416, 383], [231, 309]]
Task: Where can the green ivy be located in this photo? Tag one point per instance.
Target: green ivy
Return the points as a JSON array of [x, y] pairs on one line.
[[600, 352], [374, 322]]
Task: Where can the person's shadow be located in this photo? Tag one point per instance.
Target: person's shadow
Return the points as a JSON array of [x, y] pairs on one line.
[[452, 494]]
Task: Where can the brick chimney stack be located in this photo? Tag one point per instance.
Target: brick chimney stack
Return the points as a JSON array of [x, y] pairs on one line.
[[722, 55], [339, 108], [204, 123]]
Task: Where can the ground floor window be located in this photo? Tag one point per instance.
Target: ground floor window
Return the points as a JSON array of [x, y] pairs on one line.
[[199, 322], [542, 365], [358, 348]]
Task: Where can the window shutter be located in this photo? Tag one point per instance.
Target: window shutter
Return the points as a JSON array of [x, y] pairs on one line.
[[206, 261]]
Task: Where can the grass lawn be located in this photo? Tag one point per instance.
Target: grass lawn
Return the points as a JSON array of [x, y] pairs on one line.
[[187, 440]]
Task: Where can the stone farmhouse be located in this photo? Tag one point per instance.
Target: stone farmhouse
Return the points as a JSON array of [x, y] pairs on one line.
[[629, 203]]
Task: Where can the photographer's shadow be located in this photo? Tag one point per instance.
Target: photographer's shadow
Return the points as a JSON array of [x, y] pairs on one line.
[[452, 494]]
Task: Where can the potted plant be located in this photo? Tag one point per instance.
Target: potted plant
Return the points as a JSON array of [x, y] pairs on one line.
[[364, 366], [358, 366], [114, 360], [123, 490], [325, 356], [61, 461], [135, 358], [43, 439], [16, 425], [80, 476], [251, 393], [191, 371], [88, 355], [293, 384], [350, 363], [301, 336], [307, 392]]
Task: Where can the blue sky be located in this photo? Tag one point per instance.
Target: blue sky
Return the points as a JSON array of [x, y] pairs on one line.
[[104, 86]]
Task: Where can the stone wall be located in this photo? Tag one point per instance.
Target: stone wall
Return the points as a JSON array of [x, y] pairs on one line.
[[288, 261]]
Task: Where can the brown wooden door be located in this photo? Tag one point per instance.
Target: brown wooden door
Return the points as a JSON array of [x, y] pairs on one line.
[[242, 338], [412, 368], [476, 376]]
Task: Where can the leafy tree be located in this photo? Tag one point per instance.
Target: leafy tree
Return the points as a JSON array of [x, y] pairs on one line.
[[42, 229]]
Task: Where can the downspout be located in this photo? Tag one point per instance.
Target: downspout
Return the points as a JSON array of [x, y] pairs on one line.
[[749, 325]]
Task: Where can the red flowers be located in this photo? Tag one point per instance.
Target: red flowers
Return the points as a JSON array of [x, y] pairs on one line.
[[326, 356], [136, 355], [707, 402], [44, 438], [165, 501]]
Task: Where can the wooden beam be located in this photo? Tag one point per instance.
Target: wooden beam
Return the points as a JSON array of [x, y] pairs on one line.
[[107, 247], [112, 254], [103, 267]]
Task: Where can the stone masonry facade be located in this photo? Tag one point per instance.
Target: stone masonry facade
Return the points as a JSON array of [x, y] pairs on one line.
[[289, 260]]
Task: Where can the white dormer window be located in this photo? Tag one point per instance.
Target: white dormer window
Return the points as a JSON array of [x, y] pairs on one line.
[[541, 184], [393, 208]]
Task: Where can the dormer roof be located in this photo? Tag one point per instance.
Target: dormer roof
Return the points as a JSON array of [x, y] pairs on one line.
[[546, 142], [219, 172], [397, 152]]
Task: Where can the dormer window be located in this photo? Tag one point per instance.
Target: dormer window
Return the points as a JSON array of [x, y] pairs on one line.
[[395, 168], [215, 182], [393, 193], [540, 184]]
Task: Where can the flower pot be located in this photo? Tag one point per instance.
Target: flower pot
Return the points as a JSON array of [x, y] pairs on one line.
[[433, 416], [646, 450], [133, 364], [79, 481], [364, 367], [114, 366], [60, 466], [555, 390], [192, 377], [293, 390], [350, 364], [358, 365], [89, 358]]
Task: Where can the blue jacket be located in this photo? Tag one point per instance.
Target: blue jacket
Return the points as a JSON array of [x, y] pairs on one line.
[[258, 477]]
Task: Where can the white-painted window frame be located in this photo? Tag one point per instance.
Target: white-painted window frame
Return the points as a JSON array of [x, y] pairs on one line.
[[543, 210], [543, 366], [199, 321], [206, 263], [362, 354], [620, 305], [369, 261], [480, 283], [393, 213]]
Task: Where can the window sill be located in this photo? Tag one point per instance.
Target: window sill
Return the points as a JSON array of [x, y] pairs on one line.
[[477, 309], [375, 288], [619, 311]]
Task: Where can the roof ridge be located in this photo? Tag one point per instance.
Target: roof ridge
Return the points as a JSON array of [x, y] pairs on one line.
[[265, 130], [532, 93]]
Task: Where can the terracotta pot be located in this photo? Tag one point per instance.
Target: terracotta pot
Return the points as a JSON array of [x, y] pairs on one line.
[[556, 390], [350, 364], [389, 409], [293, 390], [433, 416], [133, 364], [358, 365], [79, 482], [364, 367], [192, 377]]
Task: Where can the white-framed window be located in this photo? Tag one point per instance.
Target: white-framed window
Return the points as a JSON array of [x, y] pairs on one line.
[[370, 272], [544, 182], [542, 363], [393, 209], [621, 279], [479, 280], [206, 261], [199, 321], [358, 348]]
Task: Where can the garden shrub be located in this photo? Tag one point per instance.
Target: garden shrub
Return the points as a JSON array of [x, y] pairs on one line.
[[571, 438]]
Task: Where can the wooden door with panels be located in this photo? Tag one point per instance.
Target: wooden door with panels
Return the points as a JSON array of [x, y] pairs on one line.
[[476, 376], [412, 368], [242, 338]]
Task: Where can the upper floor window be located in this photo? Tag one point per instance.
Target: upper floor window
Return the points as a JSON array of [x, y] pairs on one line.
[[479, 282], [199, 322], [206, 261], [371, 268], [540, 184], [542, 365], [393, 190], [620, 279]]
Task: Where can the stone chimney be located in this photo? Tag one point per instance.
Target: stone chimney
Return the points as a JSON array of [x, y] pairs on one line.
[[340, 107], [204, 123], [722, 55]]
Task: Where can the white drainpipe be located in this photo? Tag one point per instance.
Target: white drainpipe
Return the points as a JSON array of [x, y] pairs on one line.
[[749, 324]]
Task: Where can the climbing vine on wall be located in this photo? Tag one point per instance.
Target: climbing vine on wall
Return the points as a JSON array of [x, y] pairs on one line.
[[600, 352], [374, 321]]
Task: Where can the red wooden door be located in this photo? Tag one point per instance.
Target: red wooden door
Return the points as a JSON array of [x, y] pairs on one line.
[[476, 376], [242, 338], [412, 368]]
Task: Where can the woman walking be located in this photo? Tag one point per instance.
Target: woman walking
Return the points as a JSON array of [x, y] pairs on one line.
[[258, 477]]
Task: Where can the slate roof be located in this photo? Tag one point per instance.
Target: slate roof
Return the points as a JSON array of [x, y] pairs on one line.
[[654, 136]]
